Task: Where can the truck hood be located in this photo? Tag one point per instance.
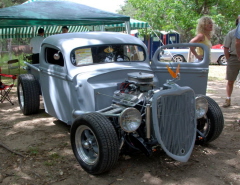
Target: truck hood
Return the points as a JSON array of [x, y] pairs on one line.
[[109, 71]]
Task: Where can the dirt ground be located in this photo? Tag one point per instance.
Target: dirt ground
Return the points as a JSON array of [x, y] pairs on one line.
[[36, 150]]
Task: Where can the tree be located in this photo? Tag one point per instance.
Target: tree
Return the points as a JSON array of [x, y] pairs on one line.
[[182, 15], [127, 9], [7, 3], [6, 44]]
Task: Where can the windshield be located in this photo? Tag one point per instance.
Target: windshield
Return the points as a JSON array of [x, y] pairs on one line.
[[107, 53]]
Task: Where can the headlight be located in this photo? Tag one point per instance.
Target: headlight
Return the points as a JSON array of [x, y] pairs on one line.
[[201, 106], [130, 119]]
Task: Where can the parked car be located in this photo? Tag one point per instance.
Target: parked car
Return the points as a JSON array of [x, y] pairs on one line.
[[181, 55], [217, 46], [104, 86]]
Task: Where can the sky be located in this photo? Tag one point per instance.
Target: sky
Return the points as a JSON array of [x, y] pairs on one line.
[[107, 5]]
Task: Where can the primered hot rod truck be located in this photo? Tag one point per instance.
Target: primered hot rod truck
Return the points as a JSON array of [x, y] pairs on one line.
[[115, 99]]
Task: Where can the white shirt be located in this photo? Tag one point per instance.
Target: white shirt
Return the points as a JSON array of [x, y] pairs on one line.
[[35, 44]]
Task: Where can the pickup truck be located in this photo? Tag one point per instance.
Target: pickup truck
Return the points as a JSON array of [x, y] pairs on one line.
[[116, 100]]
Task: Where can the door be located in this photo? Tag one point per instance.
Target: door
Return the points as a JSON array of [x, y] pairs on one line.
[[55, 85], [192, 74]]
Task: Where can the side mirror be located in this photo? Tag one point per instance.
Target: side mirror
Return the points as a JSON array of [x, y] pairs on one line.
[[56, 56]]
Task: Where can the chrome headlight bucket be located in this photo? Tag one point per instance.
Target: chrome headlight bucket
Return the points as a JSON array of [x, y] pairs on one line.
[[130, 119], [201, 106]]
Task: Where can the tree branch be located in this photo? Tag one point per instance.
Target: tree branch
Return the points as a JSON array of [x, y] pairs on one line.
[[2, 145]]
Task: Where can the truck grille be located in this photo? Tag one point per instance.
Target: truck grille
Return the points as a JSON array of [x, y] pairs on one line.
[[174, 121]]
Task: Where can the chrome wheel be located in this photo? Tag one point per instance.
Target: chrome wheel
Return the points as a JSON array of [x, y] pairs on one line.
[[21, 96], [87, 145], [211, 126], [222, 60], [94, 142], [28, 94], [178, 58]]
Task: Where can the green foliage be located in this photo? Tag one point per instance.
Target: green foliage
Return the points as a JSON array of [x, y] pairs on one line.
[[7, 3], [182, 15], [5, 57], [52, 159], [33, 150], [127, 9]]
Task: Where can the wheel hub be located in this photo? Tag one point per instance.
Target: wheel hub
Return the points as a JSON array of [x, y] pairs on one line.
[[87, 144]]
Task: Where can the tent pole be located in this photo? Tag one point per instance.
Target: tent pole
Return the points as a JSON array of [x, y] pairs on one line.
[[128, 28], [102, 28]]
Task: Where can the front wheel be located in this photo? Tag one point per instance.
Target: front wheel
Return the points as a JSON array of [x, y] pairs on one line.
[[94, 142], [222, 60], [210, 126]]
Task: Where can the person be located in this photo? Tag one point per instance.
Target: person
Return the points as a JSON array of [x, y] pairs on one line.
[[233, 66], [35, 45], [204, 32], [64, 29]]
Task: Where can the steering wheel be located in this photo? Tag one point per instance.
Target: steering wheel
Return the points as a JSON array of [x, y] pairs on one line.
[[122, 57]]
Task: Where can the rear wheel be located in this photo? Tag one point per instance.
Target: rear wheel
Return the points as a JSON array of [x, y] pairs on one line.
[[95, 143], [178, 58], [222, 60], [28, 94], [210, 127]]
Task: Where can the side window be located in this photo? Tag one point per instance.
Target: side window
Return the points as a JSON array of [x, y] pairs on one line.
[[54, 56], [180, 54], [177, 55]]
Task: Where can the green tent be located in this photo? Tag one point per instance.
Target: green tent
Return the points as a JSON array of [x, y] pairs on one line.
[[56, 13], [134, 24], [24, 20]]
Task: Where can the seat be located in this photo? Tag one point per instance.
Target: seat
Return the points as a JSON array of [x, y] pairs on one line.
[[13, 64], [6, 86]]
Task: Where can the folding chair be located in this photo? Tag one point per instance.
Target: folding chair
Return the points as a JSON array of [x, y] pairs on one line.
[[4, 88], [13, 64]]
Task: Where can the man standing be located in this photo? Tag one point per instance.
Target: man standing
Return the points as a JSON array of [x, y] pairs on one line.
[[64, 29], [237, 35], [233, 66], [35, 45]]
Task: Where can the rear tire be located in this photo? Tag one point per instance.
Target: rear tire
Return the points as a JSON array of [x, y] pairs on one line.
[[94, 143], [28, 94]]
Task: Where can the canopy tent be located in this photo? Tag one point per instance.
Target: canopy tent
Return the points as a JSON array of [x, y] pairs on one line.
[[25, 32], [31, 31], [24, 19], [134, 24], [40, 13]]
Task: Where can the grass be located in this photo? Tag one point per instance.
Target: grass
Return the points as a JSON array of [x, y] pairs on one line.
[[4, 67], [5, 57], [217, 73], [210, 91], [49, 163], [53, 159], [33, 150]]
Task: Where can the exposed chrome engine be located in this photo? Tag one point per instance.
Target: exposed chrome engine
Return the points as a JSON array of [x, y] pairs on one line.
[[135, 89]]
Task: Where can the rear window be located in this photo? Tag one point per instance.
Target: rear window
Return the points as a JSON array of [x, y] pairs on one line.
[[107, 53]]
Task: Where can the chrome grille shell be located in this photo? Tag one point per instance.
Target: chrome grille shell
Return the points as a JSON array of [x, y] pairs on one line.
[[174, 121]]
